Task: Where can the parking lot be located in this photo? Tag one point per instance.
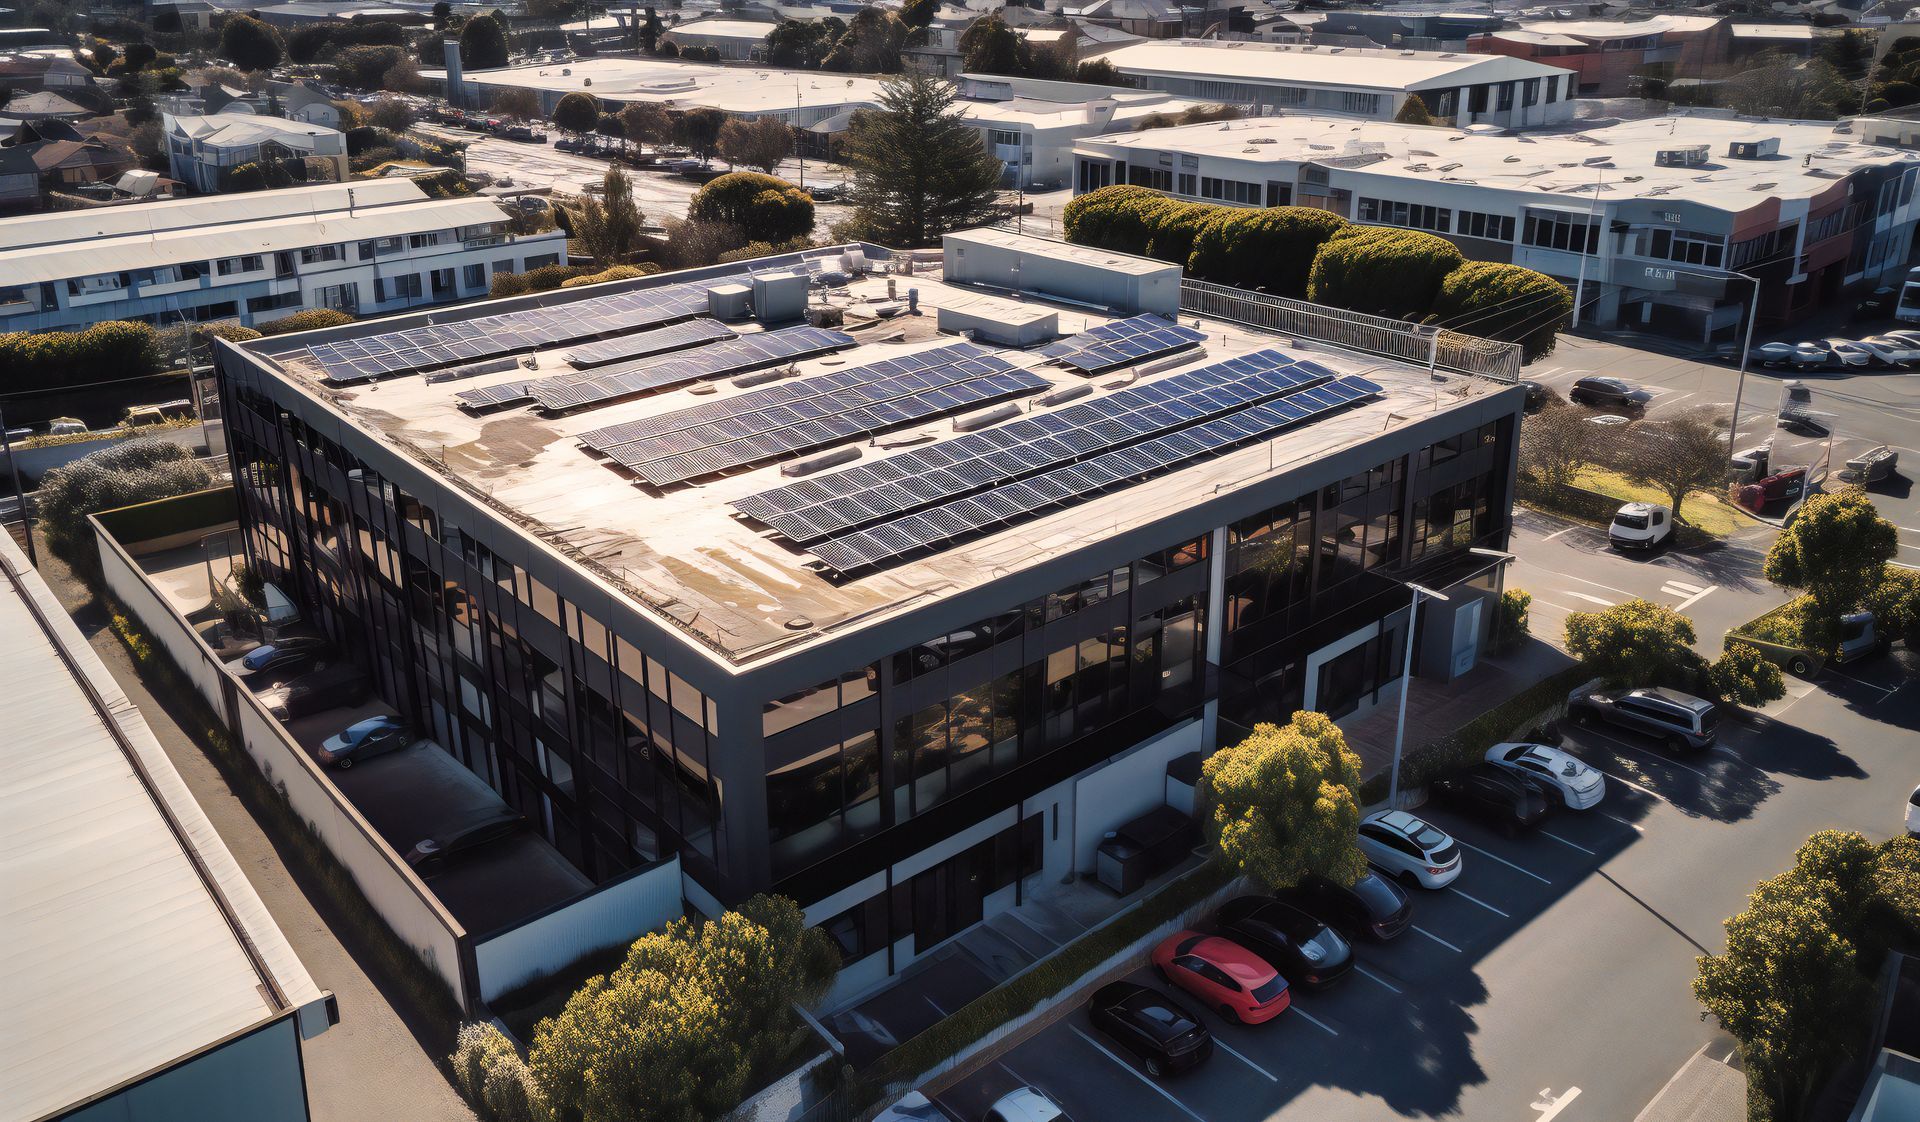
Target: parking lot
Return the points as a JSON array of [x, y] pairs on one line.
[[1551, 979]]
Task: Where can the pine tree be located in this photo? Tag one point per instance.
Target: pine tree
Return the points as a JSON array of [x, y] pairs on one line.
[[918, 170]]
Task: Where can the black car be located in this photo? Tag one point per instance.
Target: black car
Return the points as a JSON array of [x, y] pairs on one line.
[[1537, 396], [432, 855], [1680, 719], [1374, 908], [1878, 304], [327, 686], [1162, 1035], [1610, 393], [289, 655], [1504, 798], [1305, 951]]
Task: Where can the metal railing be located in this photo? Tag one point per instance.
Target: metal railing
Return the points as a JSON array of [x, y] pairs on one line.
[[1412, 343]]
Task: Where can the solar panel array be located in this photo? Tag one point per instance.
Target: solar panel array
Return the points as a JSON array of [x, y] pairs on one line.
[[679, 336], [817, 508], [496, 397], [1013, 502], [1123, 342], [566, 392]]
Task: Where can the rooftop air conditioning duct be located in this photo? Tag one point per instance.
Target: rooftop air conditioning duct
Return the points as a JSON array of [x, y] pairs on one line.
[[1757, 149]]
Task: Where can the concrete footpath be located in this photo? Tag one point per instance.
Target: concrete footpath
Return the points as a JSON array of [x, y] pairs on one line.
[[1708, 1088], [377, 1062]]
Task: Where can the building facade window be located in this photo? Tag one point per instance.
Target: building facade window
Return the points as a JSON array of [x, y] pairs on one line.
[[1159, 179], [1553, 230], [1230, 191], [1493, 227], [1416, 216]]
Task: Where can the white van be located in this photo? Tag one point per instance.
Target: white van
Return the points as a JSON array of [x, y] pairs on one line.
[[1640, 526]]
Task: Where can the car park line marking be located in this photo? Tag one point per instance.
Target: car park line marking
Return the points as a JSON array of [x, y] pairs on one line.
[[1503, 861], [1885, 691], [1366, 973], [1565, 842], [1553, 1106], [1129, 1069], [1680, 588], [1571, 529], [1477, 900], [1597, 584], [935, 1004], [1437, 939], [1312, 1020], [1551, 604], [1636, 828], [1584, 596], [1656, 755], [1694, 599], [1635, 786], [1237, 1054], [1028, 924]]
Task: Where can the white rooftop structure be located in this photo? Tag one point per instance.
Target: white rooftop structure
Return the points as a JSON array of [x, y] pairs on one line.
[[1325, 66], [799, 97], [1605, 30], [134, 944]]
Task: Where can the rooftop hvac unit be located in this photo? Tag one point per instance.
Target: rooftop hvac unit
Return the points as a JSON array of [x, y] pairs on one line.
[[1757, 149], [779, 297], [727, 302], [1693, 155]]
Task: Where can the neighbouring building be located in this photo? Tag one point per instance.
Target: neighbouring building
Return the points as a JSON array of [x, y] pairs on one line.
[[1610, 56], [1652, 221], [365, 248], [1031, 125], [143, 977], [1467, 89], [664, 613], [203, 152], [737, 40], [1406, 29]]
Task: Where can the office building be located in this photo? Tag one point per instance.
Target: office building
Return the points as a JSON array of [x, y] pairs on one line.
[[784, 601], [366, 248]]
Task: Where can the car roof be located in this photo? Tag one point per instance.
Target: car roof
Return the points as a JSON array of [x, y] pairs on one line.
[[1025, 1104], [1240, 964], [371, 723], [1399, 821], [1285, 918], [1635, 508], [1675, 697]]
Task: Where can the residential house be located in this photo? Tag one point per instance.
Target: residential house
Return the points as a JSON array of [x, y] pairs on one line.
[[203, 151]]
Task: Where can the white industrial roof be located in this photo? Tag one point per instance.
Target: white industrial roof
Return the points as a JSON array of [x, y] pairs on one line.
[[1600, 29], [685, 85], [723, 29], [1812, 158], [225, 130], [1339, 67], [121, 957], [56, 227], [63, 260], [1537, 38], [1801, 32]]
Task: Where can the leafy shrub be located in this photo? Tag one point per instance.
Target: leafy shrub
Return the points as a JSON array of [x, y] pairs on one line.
[[1510, 620], [1272, 249], [764, 207], [616, 273], [1499, 301], [136, 471], [1085, 219], [1896, 607], [1383, 270], [1744, 676], [308, 320], [1638, 643], [50, 359], [496, 1082]]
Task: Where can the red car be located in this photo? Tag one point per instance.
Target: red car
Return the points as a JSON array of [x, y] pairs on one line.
[[1225, 975]]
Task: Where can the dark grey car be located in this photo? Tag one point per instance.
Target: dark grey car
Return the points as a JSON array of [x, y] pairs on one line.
[[1610, 393], [1680, 719]]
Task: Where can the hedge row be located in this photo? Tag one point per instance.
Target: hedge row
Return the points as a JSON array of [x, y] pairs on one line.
[[1467, 745], [1314, 254], [104, 352]]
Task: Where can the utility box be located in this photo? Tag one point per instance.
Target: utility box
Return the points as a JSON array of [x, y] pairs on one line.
[[728, 302], [1002, 259], [1143, 849], [780, 297], [992, 319]]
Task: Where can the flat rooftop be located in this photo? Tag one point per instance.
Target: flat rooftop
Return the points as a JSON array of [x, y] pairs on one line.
[[1620, 158], [684, 85], [1298, 65], [121, 911], [682, 550]]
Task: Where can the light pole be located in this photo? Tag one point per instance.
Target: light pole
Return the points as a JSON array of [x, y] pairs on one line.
[[1406, 687], [1580, 282]]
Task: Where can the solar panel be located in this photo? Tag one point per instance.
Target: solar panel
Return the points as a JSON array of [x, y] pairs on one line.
[[490, 398], [953, 468], [1122, 342], [987, 511], [620, 381], [673, 338]]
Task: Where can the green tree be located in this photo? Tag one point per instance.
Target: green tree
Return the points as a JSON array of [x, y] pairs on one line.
[[1413, 111], [245, 177], [1836, 551], [764, 208], [1896, 883], [1678, 455], [919, 13], [308, 320], [392, 114], [609, 226], [1272, 250], [1284, 803], [870, 45], [577, 113], [1510, 620], [483, 44], [1779, 85], [516, 103], [1744, 676], [1638, 643], [1383, 270], [310, 42], [699, 130], [1495, 300], [760, 143], [918, 170], [250, 44], [803, 43], [139, 56], [989, 46], [647, 32], [365, 67], [1121, 217], [1896, 607], [133, 471], [646, 122], [1557, 442], [1100, 72]]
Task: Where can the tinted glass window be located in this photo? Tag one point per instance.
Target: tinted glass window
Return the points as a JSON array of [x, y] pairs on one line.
[[1915, 800], [1426, 837], [1708, 720], [1631, 521], [1271, 990], [1377, 895], [1324, 947], [1159, 1019], [1445, 856]]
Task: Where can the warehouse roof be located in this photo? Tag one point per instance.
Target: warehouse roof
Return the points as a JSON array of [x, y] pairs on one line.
[[1601, 30], [57, 227], [753, 30], [685, 85], [1297, 65], [132, 937]]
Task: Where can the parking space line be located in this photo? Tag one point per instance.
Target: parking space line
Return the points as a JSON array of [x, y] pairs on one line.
[[1129, 1069], [1636, 828], [1313, 1020], [1384, 984], [1662, 757], [1477, 900], [1028, 924], [1571, 529], [1503, 861], [1694, 599], [1635, 786], [1585, 596], [1237, 1054], [1569, 844], [1436, 938], [935, 1004], [1597, 584]]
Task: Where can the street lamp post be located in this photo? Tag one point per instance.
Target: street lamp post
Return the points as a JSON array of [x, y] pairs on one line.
[[1746, 351], [1406, 687]]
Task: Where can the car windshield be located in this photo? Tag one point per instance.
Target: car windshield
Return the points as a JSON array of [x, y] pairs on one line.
[[1271, 990], [1631, 521], [1376, 894], [1425, 836], [1324, 947]]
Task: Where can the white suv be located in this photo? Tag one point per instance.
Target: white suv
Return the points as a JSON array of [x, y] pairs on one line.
[[1404, 846], [1640, 526], [1913, 814]]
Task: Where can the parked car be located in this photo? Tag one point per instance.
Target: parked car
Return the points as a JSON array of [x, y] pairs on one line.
[[1537, 396], [1577, 786], [568, 144], [1403, 846], [284, 656], [326, 687], [1025, 1104], [1905, 335], [1797, 355], [1640, 526], [1508, 800], [1162, 1035], [1680, 719], [1913, 814], [362, 740], [1228, 977], [1303, 949], [913, 1107], [1612, 393], [1878, 304], [430, 856], [1372, 908], [1848, 353], [1888, 351]]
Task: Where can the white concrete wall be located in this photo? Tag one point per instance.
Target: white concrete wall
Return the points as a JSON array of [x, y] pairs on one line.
[[1127, 787], [618, 913]]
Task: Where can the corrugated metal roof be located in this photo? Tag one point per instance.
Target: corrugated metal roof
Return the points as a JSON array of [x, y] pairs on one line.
[[201, 213], [121, 957]]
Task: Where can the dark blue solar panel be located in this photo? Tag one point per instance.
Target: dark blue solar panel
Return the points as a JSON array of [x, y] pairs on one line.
[[1122, 343]]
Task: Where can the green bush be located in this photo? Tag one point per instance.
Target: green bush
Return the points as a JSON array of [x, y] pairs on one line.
[[1896, 607], [52, 359], [1499, 301], [136, 471], [1085, 219], [616, 273], [764, 207], [1744, 676], [1510, 620], [1536, 705], [1272, 249], [1382, 270], [1175, 227], [309, 320], [488, 1070]]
